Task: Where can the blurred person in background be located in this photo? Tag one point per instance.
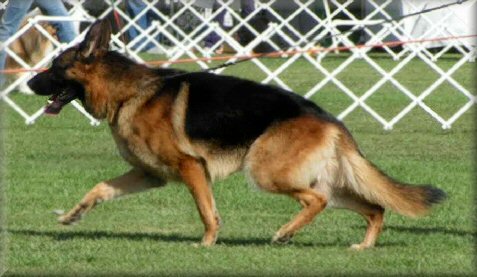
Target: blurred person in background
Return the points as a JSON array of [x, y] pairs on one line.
[[14, 13], [134, 7], [225, 21]]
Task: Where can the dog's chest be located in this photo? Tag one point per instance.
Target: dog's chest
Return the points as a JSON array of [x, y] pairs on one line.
[[139, 154], [143, 149]]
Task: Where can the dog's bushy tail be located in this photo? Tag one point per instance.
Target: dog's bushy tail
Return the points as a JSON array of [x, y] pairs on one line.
[[366, 180]]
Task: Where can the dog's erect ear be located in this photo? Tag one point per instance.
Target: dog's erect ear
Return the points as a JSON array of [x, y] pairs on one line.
[[96, 41]]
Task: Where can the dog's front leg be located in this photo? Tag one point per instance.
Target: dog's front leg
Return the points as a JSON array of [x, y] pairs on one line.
[[133, 181], [193, 175]]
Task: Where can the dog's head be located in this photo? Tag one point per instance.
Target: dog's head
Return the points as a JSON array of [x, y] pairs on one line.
[[65, 80]]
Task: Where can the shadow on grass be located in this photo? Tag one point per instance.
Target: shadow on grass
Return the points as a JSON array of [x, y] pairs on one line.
[[94, 235], [428, 230], [137, 236], [431, 230]]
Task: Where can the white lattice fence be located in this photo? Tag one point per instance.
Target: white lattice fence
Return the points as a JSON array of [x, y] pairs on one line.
[[35, 22], [178, 29]]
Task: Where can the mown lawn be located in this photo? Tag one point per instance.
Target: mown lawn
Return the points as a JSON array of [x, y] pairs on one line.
[[51, 164]]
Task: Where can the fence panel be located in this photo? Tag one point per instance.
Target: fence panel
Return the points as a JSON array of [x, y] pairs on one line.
[[300, 32]]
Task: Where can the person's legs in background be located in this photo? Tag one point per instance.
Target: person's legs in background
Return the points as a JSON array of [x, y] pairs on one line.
[[65, 29], [16, 11], [9, 23], [134, 7], [246, 7], [212, 38]]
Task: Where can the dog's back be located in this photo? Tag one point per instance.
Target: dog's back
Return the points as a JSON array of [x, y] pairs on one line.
[[234, 111]]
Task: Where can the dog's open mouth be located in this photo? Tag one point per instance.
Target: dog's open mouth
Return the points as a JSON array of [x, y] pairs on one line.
[[58, 101]]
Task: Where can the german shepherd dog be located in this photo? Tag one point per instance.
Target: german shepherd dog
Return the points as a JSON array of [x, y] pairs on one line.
[[199, 127]]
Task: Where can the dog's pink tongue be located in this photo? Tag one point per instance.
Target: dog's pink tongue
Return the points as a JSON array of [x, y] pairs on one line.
[[54, 107]]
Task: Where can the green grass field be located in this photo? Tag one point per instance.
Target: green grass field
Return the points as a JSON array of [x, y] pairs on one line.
[[51, 164]]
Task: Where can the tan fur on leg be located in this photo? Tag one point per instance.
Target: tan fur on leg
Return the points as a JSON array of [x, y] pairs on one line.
[[133, 181], [372, 213], [194, 177], [375, 222], [312, 202]]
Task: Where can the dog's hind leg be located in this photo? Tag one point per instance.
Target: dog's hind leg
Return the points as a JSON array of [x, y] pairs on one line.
[[373, 214], [374, 217], [312, 202], [286, 160], [133, 181], [375, 220]]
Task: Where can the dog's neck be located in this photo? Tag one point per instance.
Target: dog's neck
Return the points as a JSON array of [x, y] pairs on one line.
[[108, 92], [120, 111]]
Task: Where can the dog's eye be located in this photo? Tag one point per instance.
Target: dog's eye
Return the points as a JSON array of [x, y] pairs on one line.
[[61, 68], [59, 65]]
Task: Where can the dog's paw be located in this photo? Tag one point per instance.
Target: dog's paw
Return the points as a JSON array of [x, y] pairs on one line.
[[359, 247], [58, 212], [67, 219], [62, 218], [282, 238], [201, 244], [208, 241]]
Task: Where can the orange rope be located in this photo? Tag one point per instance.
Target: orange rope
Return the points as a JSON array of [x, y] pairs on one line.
[[315, 50], [275, 54]]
